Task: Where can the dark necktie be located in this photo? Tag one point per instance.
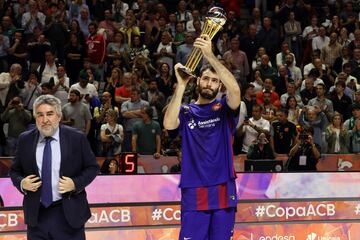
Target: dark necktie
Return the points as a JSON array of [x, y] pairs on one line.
[[46, 190]]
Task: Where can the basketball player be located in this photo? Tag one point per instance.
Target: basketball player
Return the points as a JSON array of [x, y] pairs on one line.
[[208, 191]]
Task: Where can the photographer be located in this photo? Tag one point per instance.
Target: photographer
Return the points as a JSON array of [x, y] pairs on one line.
[[18, 119], [305, 154], [261, 149]]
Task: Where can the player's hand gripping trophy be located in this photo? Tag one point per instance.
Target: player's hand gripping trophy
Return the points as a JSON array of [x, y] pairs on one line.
[[214, 21]]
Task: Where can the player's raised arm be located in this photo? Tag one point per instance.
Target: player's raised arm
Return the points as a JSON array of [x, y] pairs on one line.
[[171, 118], [226, 77]]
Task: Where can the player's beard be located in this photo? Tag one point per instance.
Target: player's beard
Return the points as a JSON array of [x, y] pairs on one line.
[[208, 93], [48, 130]]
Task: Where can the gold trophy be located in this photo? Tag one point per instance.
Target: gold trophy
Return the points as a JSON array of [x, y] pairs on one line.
[[214, 21]]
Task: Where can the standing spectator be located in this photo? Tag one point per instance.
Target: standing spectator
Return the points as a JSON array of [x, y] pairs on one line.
[[48, 69], [100, 111], [76, 114], [195, 17], [253, 127], [283, 132], [37, 50], [61, 85], [131, 111], [320, 101], [96, 49], [249, 43], [57, 32], [320, 41], [294, 71], [113, 82], [119, 9], [339, 100], [280, 57], [261, 149], [32, 18], [343, 59], [352, 125], [315, 118], [166, 51], [17, 52], [268, 38], [130, 29], [117, 48], [269, 87], [182, 14], [4, 46], [184, 50], [146, 134], [291, 91], [109, 25], [156, 100], [74, 28], [269, 110], [18, 118], [309, 33], [293, 30], [85, 88], [248, 97], [305, 154], [309, 92], [331, 51], [293, 110], [75, 8], [32, 90], [237, 60], [265, 69], [11, 84], [74, 56], [336, 136], [123, 93], [84, 21], [111, 134], [8, 27], [164, 80]]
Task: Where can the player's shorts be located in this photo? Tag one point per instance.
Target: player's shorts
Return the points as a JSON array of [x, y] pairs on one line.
[[217, 224]]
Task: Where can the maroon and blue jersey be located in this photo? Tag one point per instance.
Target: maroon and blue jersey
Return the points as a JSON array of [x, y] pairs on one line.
[[207, 169]]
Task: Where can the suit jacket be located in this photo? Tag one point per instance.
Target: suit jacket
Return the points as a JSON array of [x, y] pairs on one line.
[[77, 162]]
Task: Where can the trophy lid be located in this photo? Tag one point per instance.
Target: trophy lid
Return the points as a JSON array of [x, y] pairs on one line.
[[217, 15]]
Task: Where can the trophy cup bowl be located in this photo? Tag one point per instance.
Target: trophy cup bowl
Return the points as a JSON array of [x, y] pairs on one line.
[[215, 19]]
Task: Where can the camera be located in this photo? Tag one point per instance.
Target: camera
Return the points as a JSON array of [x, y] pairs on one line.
[[303, 136]]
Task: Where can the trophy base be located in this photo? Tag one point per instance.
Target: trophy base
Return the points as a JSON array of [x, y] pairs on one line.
[[186, 72]]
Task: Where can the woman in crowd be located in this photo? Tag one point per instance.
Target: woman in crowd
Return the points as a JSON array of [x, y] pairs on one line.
[[294, 110], [336, 135], [111, 134], [113, 82], [164, 79]]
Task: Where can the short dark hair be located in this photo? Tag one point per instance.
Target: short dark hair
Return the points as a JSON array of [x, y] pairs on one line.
[[76, 92], [284, 110], [307, 130], [341, 83], [136, 89], [149, 111], [206, 67]]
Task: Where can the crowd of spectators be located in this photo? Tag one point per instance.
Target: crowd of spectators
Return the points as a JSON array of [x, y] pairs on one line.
[[111, 65]]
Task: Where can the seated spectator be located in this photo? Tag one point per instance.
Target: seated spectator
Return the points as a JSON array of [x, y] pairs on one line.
[[110, 166], [177, 167], [248, 97], [18, 118], [155, 98], [164, 79], [305, 154], [282, 80], [283, 132], [336, 136], [48, 69], [352, 125], [293, 110], [146, 134], [280, 57], [111, 134], [261, 149]]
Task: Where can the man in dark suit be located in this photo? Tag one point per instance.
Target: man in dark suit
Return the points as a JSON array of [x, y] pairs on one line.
[[52, 166]]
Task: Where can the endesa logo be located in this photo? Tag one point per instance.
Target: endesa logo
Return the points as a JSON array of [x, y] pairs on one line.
[[314, 236], [274, 237]]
